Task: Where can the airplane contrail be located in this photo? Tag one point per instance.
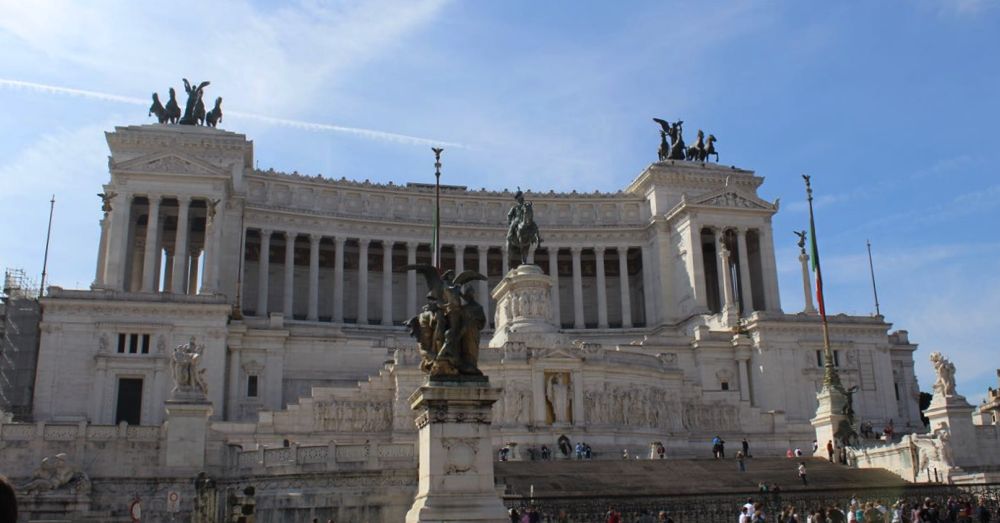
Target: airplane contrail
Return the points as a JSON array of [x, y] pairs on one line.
[[286, 122]]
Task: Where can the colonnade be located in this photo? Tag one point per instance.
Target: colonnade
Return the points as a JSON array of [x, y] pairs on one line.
[[354, 260], [159, 243], [736, 262]]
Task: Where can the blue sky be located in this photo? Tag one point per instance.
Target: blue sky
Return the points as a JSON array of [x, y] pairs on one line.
[[890, 106]]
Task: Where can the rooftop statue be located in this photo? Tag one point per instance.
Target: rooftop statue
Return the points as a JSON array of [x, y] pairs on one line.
[[522, 231], [194, 110], [215, 115], [703, 148], [676, 150], [447, 328]]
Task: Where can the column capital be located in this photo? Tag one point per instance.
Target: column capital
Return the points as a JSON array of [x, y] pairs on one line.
[[290, 234], [266, 233], [315, 238], [458, 246], [576, 250], [184, 199], [388, 243], [412, 245], [599, 249], [483, 249], [154, 199], [364, 242], [740, 231], [339, 241]]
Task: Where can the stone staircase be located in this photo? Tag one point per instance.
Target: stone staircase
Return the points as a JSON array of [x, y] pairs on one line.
[[680, 476]]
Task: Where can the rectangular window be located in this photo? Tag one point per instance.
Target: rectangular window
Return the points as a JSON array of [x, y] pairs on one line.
[[252, 386], [819, 358], [145, 343], [821, 361], [896, 386], [129, 407], [133, 343], [836, 358], [725, 385], [121, 342]]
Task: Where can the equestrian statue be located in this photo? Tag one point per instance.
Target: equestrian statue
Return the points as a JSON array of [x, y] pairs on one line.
[[522, 231]]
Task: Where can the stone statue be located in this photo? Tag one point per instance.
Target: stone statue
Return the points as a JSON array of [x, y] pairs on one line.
[[172, 110], [710, 148], [703, 148], [945, 384], [194, 110], [944, 444], [447, 329], [54, 473], [211, 208], [106, 198], [676, 151], [802, 240], [215, 115], [158, 109], [521, 228], [189, 380], [558, 394]]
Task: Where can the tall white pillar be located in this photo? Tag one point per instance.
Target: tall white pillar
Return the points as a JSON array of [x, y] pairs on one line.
[[152, 244], [213, 248], [193, 271], [168, 275], [625, 291], [338, 280], [484, 285], [118, 241], [387, 282], [696, 266], [363, 281], [289, 283], [179, 272], [554, 274], [746, 288], [772, 299], [459, 259], [102, 252], [505, 263], [578, 322], [649, 300], [411, 280], [806, 283], [531, 253], [263, 267], [726, 277], [313, 313], [602, 290]]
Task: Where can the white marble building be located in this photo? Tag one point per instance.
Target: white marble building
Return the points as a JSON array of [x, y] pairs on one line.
[[294, 285]]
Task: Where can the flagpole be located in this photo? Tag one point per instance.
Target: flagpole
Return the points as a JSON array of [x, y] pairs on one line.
[[871, 268], [48, 236], [830, 376], [437, 207]]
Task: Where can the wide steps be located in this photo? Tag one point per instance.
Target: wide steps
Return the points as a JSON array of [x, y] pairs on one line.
[[680, 476]]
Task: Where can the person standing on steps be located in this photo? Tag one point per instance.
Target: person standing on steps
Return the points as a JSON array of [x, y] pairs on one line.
[[802, 473], [740, 460], [829, 450], [746, 448]]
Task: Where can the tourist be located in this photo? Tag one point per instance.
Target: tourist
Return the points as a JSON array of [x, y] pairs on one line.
[[562, 517], [815, 446], [798, 452], [829, 450], [872, 514], [789, 454], [546, 453], [514, 515], [834, 515], [613, 516], [740, 461], [664, 518], [802, 473], [579, 450], [718, 447], [8, 501], [744, 516], [982, 513], [758, 513], [746, 447], [624, 453]]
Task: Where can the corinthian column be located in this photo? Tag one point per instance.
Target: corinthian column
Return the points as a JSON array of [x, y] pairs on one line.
[[625, 292], [746, 289], [411, 280], [554, 274], [484, 285], [806, 283], [289, 294], [387, 282], [727, 277], [578, 322], [338, 280], [263, 267], [602, 291], [313, 313], [152, 244], [363, 281], [179, 280]]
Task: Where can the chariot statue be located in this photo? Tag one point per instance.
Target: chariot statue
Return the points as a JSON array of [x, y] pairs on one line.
[[194, 110], [676, 150], [522, 231], [447, 328]]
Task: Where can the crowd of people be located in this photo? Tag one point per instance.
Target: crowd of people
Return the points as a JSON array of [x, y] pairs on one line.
[[961, 509]]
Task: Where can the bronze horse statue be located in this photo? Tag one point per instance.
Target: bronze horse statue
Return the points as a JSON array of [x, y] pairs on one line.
[[157, 109], [523, 229], [172, 110], [710, 148], [215, 115], [703, 148], [676, 151]]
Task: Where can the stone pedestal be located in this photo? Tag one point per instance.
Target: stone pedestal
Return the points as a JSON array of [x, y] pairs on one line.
[[187, 430], [456, 456], [953, 414], [54, 507], [524, 309], [829, 415]]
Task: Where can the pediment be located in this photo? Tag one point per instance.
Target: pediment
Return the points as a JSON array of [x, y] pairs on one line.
[[557, 353], [169, 163], [732, 198]]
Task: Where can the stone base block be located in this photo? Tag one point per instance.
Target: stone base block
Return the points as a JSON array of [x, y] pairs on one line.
[[485, 508], [187, 432]]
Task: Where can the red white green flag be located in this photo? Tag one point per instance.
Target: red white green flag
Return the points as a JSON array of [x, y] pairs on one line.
[[815, 262]]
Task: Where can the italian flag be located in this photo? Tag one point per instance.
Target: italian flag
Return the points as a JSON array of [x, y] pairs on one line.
[[815, 265]]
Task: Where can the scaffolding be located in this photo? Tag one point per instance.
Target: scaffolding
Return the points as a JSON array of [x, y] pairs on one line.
[[20, 315], [17, 284]]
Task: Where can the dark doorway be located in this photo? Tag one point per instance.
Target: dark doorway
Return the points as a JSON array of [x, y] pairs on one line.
[[129, 401]]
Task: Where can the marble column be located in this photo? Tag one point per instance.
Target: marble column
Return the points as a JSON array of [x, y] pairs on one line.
[[625, 291], [602, 289], [363, 281], [168, 276], [263, 266], [746, 286], [152, 244], [102, 252], [179, 276], [769, 269], [387, 282], [213, 247], [313, 314], [578, 321], [696, 267], [193, 271], [505, 263], [484, 285], [554, 274], [806, 283], [338, 280], [725, 276], [411, 280], [531, 254], [459, 259], [118, 242], [289, 293], [649, 300]]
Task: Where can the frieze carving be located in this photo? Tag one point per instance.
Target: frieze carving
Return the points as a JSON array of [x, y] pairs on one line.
[[632, 406], [514, 405], [461, 454], [715, 417], [732, 199], [353, 415]]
